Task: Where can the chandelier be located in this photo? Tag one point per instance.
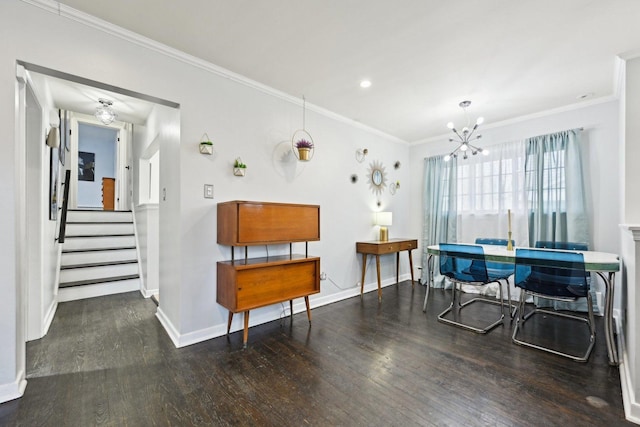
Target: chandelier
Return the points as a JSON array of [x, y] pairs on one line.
[[465, 137], [104, 112]]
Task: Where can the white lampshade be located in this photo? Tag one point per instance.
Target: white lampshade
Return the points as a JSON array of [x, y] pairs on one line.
[[384, 218]]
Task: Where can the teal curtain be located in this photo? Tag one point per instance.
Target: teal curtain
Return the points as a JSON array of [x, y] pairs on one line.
[[556, 193], [440, 212]]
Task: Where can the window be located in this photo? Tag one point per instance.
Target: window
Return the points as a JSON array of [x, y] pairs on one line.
[[489, 185], [552, 181]]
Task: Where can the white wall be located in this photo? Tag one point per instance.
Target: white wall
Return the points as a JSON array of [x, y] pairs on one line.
[[630, 233], [43, 248], [145, 147]]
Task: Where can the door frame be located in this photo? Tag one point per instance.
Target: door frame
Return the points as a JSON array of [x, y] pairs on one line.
[[123, 159]]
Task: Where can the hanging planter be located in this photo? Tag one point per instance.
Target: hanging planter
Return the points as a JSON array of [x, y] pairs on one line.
[[206, 145], [301, 141], [239, 168], [303, 145]]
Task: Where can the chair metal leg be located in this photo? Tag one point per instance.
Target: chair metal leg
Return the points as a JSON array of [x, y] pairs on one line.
[[512, 312], [522, 317], [460, 307], [429, 281]]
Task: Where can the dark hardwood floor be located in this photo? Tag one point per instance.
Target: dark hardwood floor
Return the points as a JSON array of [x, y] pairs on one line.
[[107, 361]]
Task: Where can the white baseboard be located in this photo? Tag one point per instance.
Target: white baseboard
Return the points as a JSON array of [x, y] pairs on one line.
[[148, 293], [90, 291], [631, 405], [48, 318], [263, 317], [168, 326], [13, 390]]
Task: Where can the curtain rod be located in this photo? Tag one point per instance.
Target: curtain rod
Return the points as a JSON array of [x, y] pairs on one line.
[[581, 129]]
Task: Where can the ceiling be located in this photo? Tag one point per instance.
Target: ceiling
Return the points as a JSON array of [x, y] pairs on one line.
[[81, 98], [511, 58]]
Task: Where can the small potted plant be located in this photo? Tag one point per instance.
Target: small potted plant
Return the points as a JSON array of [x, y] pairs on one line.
[[239, 168], [206, 145], [304, 149]]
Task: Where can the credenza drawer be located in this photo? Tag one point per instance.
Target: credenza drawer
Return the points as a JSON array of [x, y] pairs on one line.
[[390, 247], [408, 245], [245, 287]]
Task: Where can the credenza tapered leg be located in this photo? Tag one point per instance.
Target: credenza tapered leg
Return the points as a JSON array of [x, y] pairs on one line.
[[291, 308], [229, 322], [364, 269], [379, 285], [413, 283], [397, 267], [306, 301], [245, 335]]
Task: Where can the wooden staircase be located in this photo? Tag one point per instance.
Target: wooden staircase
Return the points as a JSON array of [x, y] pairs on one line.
[[99, 255]]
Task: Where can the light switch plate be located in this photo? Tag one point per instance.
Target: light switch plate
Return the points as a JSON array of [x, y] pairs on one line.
[[208, 191]]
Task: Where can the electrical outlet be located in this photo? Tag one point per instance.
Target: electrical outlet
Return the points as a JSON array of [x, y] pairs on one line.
[[323, 276], [208, 191]]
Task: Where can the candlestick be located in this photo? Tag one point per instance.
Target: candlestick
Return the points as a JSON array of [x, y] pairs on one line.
[[509, 244]]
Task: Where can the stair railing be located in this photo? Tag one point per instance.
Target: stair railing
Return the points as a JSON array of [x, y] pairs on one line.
[[65, 205]]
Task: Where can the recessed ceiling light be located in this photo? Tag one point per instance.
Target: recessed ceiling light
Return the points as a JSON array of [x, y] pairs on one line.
[[365, 84]]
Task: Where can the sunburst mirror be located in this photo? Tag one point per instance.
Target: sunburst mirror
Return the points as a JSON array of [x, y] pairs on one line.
[[377, 177]]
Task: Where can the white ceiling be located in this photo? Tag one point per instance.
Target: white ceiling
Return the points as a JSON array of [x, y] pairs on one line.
[[511, 58], [69, 95]]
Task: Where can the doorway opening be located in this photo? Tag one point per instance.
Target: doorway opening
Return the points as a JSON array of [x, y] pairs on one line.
[[97, 152], [142, 121]]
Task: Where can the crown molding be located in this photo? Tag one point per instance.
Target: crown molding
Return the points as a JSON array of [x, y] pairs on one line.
[[65, 11]]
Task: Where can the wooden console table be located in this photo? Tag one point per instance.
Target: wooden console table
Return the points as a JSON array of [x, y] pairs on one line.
[[378, 248]]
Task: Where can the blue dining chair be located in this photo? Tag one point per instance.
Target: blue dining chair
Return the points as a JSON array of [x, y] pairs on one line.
[[465, 264], [566, 246], [498, 270], [557, 275], [571, 246]]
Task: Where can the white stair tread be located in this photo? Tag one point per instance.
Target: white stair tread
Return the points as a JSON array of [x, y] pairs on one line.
[[102, 272]]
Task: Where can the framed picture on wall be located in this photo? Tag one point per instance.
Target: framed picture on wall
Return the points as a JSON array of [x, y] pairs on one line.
[[86, 166], [53, 184]]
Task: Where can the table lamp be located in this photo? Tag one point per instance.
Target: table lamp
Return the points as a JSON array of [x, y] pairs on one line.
[[384, 219]]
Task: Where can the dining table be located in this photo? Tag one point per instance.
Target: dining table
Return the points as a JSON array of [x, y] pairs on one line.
[[604, 265]]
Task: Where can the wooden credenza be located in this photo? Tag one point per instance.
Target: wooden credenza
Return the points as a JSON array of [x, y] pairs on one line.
[[247, 283]]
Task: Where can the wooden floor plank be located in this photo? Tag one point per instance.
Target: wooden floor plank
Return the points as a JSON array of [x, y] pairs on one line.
[[107, 361]]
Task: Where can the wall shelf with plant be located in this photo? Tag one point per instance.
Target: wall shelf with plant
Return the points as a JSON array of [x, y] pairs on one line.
[[239, 168], [206, 145]]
